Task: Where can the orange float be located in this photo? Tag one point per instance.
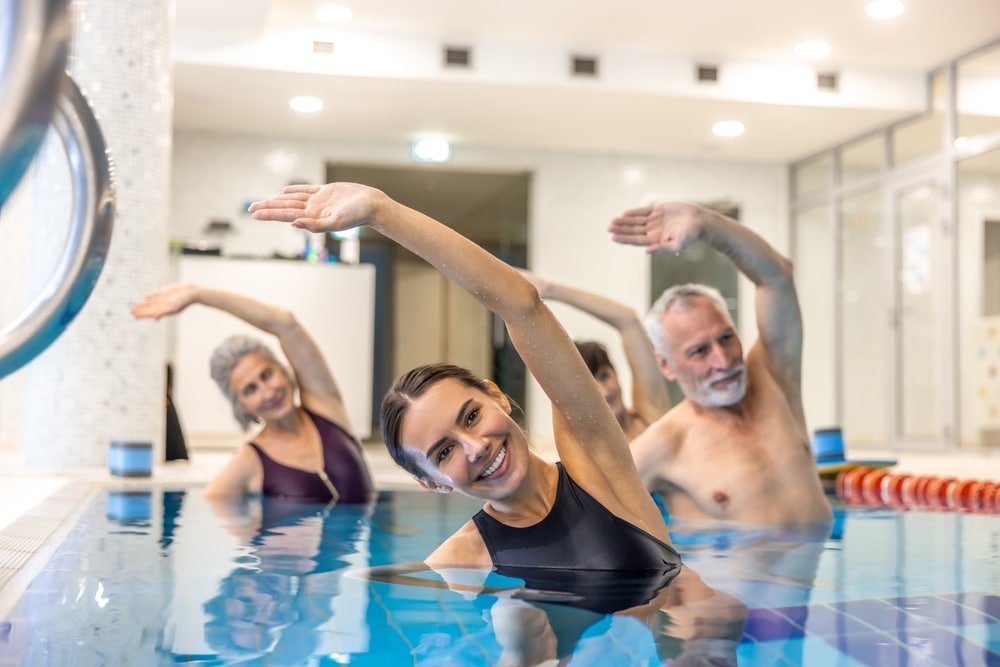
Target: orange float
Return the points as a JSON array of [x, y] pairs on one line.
[[863, 485], [989, 500], [871, 487], [857, 485], [852, 484], [892, 489], [936, 491], [964, 495]]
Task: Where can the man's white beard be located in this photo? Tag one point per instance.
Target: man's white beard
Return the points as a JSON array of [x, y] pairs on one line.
[[708, 396]]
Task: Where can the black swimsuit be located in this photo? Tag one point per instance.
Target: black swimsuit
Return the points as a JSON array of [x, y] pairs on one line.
[[582, 548]]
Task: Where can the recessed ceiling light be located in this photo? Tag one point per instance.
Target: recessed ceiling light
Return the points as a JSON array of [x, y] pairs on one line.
[[333, 13], [884, 9], [431, 149], [728, 128], [306, 104], [812, 49]]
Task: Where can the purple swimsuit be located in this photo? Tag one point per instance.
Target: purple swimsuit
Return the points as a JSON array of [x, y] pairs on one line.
[[342, 460]]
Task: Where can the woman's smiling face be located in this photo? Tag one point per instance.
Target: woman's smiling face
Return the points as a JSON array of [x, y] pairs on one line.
[[465, 439], [262, 387]]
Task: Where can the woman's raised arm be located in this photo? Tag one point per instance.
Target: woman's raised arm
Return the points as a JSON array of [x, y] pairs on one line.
[[317, 385], [594, 440]]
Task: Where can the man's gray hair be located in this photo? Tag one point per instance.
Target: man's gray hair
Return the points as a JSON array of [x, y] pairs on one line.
[[224, 359], [683, 297]]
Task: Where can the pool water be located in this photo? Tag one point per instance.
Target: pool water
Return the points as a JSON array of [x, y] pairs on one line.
[[164, 577]]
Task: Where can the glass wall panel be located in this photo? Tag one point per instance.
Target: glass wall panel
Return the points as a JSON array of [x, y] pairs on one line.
[[813, 176], [861, 158], [917, 327], [814, 281], [917, 138], [924, 135], [978, 90], [979, 300], [864, 251]]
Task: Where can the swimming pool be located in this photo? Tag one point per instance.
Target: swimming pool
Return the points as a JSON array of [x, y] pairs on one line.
[[161, 576]]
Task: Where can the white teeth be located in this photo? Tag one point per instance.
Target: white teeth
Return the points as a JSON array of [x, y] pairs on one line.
[[501, 455]]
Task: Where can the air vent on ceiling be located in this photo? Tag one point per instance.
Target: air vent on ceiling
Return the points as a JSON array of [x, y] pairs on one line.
[[707, 73], [323, 48], [457, 56], [827, 81], [584, 66]]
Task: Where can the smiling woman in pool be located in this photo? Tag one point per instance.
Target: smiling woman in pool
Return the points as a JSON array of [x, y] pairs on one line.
[[305, 449], [454, 431]]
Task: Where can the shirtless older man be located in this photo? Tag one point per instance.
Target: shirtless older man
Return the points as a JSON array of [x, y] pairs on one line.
[[737, 448]]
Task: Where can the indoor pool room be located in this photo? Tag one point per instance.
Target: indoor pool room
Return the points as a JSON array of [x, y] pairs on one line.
[[499, 334]]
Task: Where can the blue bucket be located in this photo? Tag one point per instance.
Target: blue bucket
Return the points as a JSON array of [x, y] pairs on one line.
[[130, 459], [828, 445]]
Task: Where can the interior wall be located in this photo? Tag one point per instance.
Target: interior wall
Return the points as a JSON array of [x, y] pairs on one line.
[[573, 197], [334, 302], [419, 313], [438, 321]]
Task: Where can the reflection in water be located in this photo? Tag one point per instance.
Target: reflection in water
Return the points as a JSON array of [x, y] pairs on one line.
[[275, 607], [761, 565], [151, 579], [685, 622], [300, 571], [261, 581], [764, 566]]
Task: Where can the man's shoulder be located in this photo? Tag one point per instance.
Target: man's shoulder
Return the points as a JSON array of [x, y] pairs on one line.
[[667, 433], [673, 421]]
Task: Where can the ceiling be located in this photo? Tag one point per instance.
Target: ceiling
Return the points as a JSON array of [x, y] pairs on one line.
[[382, 77]]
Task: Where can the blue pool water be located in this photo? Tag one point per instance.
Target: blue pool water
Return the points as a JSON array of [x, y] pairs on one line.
[[160, 577]]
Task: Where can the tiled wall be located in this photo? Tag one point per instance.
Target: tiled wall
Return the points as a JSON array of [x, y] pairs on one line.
[[103, 379]]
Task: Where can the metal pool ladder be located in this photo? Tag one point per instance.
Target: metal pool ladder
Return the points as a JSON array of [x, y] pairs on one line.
[[35, 92]]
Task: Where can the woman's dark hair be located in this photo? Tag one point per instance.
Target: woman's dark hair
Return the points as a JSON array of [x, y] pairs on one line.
[[408, 388], [594, 355]]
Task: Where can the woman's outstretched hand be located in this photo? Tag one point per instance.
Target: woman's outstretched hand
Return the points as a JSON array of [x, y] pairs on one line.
[[167, 300], [321, 208]]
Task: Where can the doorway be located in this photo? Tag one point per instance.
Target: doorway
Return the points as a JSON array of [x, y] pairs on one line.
[[420, 316]]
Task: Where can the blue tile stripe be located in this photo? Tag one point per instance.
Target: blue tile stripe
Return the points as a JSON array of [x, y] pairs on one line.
[[952, 629]]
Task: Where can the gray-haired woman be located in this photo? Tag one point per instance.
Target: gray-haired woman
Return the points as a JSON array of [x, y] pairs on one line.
[[305, 450]]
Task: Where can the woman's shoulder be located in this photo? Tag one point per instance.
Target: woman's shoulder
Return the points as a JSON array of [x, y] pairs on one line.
[[332, 412], [248, 457], [465, 548]]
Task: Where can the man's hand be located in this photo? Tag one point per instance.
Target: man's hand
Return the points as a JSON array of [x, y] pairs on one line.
[[661, 227]]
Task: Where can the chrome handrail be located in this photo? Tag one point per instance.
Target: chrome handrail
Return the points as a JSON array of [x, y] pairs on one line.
[[34, 46], [92, 173]]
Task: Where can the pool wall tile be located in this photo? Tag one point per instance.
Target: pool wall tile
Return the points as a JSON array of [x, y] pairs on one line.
[[824, 621], [767, 624], [938, 610], [986, 603]]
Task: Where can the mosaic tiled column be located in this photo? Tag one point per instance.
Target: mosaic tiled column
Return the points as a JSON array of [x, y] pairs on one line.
[[103, 378]]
